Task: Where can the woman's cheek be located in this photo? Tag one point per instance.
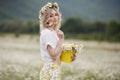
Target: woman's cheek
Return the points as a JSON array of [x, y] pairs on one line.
[[56, 22], [50, 23]]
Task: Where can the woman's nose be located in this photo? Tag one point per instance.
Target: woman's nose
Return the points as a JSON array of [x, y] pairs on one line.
[[54, 18]]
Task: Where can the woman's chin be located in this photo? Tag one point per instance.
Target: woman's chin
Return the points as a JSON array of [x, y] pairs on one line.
[[53, 24]]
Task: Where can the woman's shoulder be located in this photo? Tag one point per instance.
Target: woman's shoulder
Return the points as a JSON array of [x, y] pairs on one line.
[[45, 32]]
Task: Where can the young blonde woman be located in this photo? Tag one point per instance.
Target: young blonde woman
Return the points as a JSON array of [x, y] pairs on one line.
[[51, 40]]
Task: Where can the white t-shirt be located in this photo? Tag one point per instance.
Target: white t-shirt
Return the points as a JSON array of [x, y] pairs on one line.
[[47, 37]]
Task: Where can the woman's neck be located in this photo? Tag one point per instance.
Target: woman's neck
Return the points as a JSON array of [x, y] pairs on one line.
[[52, 28]]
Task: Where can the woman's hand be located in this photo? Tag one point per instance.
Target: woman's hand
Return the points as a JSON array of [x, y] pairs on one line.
[[60, 34], [73, 57]]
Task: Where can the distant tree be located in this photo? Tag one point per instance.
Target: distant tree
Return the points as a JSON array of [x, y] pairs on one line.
[[19, 26], [10, 25], [31, 27], [72, 25], [113, 31], [99, 27]]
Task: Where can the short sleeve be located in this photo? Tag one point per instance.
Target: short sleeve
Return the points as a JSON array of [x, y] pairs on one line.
[[49, 39]]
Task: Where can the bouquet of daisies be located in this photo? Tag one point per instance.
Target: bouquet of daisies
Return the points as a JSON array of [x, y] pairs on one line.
[[68, 50]]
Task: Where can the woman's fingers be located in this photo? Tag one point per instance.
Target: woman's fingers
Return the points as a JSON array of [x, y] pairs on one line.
[[60, 34], [73, 57]]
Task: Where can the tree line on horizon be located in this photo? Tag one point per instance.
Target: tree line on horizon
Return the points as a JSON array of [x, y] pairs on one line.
[[72, 27]]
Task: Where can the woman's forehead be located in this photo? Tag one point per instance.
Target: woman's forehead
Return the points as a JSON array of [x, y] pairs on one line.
[[53, 11]]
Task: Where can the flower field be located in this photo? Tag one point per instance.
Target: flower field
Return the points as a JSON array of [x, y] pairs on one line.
[[20, 60]]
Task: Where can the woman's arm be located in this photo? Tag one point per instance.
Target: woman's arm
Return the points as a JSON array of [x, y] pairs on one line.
[[54, 53]]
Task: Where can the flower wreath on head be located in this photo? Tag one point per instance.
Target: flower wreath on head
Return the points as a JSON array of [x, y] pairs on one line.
[[48, 6]]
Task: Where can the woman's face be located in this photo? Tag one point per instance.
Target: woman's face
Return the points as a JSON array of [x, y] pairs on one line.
[[53, 18]]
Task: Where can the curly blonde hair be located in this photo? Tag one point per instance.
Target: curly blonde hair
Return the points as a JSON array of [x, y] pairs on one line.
[[45, 12]]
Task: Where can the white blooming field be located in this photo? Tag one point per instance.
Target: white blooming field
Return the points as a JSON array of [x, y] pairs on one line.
[[20, 60]]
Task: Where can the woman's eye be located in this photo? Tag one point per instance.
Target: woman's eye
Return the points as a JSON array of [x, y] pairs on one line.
[[56, 14], [51, 16]]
